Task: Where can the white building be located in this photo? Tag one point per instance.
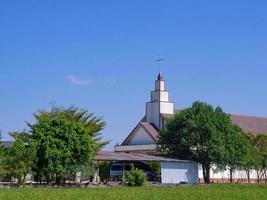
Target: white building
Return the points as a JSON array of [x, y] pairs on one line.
[[143, 138]]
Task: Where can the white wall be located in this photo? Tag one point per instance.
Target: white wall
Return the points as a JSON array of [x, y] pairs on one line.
[[152, 113], [225, 174], [177, 172]]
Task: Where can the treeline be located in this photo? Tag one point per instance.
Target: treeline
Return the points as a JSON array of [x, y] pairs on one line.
[[208, 136], [61, 143]]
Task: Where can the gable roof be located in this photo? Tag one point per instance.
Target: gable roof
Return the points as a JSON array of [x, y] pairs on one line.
[[149, 129]]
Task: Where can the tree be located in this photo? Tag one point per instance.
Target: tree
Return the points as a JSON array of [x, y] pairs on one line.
[[236, 145], [2, 158], [256, 157], [19, 157], [251, 157], [64, 140], [260, 143], [197, 133]]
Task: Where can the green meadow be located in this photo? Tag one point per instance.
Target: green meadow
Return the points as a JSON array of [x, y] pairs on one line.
[[213, 191]]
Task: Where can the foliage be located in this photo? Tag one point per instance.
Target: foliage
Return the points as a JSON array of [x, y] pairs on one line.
[[19, 157], [236, 144], [64, 139], [135, 177], [155, 167], [86, 171], [200, 192], [198, 133], [2, 157], [104, 170], [256, 155]]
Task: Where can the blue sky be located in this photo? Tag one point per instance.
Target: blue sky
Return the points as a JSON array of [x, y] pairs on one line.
[[99, 55]]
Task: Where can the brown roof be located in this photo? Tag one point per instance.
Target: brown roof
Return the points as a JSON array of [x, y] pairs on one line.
[[251, 124], [122, 156], [247, 123]]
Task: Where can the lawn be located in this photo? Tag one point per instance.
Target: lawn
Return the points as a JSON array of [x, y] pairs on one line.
[[234, 191]]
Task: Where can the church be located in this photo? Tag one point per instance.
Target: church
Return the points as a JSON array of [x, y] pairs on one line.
[[140, 144]]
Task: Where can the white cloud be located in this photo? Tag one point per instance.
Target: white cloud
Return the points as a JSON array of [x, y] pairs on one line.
[[84, 82], [77, 81]]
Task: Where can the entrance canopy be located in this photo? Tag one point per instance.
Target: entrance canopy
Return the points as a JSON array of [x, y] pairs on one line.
[[122, 156]]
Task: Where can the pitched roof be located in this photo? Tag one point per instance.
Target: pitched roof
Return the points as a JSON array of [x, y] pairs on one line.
[[149, 128], [122, 156], [247, 123], [251, 124]]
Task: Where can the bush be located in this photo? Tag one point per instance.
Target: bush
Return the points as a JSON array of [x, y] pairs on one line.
[[135, 177]]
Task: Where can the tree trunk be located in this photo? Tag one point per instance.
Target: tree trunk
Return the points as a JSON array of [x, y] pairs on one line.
[[248, 175], [206, 173], [258, 176], [231, 170], [58, 180]]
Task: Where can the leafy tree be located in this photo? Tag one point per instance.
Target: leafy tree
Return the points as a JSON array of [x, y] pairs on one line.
[[251, 158], [261, 146], [64, 139], [236, 145], [19, 157], [2, 157], [257, 156], [197, 133]]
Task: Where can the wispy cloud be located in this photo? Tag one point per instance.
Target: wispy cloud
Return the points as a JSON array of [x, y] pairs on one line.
[[77, 81]]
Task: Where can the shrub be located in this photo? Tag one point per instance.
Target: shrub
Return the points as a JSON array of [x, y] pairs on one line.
[[135, 177]]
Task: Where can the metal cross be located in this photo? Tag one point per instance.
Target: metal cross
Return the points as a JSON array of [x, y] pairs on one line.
[[159, 60]]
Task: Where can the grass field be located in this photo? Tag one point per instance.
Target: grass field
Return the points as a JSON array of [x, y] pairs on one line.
[[214, 192]]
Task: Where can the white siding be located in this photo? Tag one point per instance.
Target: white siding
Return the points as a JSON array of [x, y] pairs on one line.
[[160, 96], [177, 172]]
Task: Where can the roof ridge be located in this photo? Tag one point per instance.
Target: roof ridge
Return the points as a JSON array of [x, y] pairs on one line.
[[248, 116]]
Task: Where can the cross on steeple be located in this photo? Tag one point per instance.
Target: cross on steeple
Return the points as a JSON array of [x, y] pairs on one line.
[[159, 60]]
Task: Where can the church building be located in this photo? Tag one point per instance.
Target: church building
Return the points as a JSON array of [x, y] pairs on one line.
[[143, 138]]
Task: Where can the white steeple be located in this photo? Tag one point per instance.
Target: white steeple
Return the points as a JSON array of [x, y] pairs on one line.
[[159, 103]]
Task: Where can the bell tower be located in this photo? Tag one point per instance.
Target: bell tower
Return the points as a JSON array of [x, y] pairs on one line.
[[159, 103]]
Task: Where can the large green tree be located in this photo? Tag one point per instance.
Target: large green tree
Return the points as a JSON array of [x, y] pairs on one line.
[[64, 140], [198, 133]]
